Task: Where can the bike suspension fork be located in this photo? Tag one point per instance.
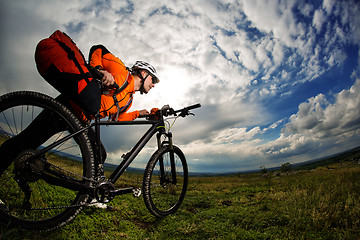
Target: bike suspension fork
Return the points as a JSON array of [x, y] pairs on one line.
[[161, 160], [172, 159]]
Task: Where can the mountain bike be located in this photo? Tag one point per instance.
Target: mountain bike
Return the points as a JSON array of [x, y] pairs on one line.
[[44, 188]]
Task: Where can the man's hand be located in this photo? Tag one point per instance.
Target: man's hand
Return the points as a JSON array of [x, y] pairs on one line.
[[107, 79], [154, 114], [143, 112], [154, 111]]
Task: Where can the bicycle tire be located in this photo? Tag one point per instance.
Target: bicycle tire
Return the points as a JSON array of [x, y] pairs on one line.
[[49, 206], [161, 195]]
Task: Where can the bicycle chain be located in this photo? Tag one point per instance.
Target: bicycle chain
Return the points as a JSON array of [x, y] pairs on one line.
[[60, 207], [71, 206], [137, 193], [74, 174]]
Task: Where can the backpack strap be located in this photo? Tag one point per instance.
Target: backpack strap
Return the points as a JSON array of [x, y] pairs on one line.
[[122, 88], [71, 56], [124, 85]]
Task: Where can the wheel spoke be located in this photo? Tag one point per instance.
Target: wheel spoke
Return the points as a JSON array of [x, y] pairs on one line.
[[29, 122]]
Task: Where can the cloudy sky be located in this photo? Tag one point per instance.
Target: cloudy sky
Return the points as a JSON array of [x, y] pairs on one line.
[[279, 81]]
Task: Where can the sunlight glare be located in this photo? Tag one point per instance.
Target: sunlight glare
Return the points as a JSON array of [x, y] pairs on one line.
[[173, 88]]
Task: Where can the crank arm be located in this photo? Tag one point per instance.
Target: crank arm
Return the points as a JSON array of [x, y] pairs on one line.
[[135, 191]]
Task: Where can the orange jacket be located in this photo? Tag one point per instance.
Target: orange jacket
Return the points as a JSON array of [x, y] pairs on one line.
[[101, 58]]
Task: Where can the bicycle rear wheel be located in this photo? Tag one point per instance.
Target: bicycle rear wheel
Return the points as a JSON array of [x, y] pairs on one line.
[[26, 199], [165, 181]]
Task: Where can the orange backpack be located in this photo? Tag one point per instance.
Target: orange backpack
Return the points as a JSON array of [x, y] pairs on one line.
[[61, 63]]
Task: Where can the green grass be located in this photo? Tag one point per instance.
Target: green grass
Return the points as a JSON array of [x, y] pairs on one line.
[[322, 203]]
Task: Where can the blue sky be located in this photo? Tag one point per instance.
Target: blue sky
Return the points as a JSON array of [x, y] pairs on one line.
[[278, 80]]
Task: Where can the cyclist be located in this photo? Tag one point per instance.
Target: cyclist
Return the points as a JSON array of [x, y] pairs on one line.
[[141, 77]]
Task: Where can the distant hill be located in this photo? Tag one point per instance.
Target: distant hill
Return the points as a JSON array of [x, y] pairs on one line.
[[112, 167], [349, 155]]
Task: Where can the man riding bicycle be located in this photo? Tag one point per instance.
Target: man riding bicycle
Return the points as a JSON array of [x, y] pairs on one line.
[[141, 77]]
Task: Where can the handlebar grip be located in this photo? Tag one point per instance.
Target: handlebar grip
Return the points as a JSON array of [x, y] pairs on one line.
[[189, 108], [193, 106]]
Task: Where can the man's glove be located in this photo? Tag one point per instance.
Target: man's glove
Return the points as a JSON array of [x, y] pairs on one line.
[[154, 114]]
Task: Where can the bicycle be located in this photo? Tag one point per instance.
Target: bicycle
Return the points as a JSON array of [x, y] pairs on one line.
[[47, 187]]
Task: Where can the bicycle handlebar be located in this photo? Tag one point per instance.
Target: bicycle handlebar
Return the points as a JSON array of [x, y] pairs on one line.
[[167, 110]]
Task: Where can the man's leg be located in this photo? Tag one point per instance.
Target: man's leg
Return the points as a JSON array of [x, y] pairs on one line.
[[91, 134], [99, 159]]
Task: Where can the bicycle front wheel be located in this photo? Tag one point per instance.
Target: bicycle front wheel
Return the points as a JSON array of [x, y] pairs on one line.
[[165, 181], [30, 122]]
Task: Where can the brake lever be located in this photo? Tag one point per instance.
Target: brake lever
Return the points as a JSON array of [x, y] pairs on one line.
[[185, 113], [172, 112]]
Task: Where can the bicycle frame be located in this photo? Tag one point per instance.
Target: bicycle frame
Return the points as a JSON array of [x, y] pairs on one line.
[[156, 127], [130, 156]]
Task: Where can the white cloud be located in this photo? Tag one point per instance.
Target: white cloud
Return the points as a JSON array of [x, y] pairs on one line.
[[322, 124], [306, 9], [318, 129], [273, 18], [237, 58], [328, 5], [322, 118], [319, 19], [230, 135]]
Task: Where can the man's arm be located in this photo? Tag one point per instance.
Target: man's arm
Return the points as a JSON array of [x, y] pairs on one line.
[[132, 115]]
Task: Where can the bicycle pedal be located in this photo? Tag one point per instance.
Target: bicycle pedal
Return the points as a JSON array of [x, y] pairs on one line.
[[137, 192]]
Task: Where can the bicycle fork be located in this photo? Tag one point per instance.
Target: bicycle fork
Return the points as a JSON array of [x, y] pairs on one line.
[[164, 178]]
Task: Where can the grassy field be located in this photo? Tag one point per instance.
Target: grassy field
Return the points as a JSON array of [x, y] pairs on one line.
[[321, 203]]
